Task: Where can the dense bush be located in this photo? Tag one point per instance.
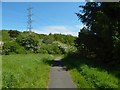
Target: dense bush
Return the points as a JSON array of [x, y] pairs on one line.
[[12, 47], [66, 39], [51, 49], [43, 51], [29, 43], [13, 33], [48, 39]]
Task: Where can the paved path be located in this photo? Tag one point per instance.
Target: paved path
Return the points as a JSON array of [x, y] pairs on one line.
[[59, 76]]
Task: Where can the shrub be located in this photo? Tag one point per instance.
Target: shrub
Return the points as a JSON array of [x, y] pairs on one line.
[[9, 47], [12, 47], [51, 49], [29, 43], [21, 50], [42, 51], [48, 40], [13, 33]]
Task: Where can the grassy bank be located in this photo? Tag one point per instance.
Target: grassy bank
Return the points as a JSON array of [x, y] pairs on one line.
[[25, 71], [87, 74]]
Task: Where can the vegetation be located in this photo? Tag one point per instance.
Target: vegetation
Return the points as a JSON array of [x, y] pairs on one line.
[[13, 33], [96, 62], [0, 72], [23, 59], [101, 36], [15, 42], [25, 71], [92, 58], [86, 73], [29, 43], [52, 49], [12, 48]]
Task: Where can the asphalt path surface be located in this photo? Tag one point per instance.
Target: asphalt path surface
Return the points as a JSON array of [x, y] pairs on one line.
[[59, 76]]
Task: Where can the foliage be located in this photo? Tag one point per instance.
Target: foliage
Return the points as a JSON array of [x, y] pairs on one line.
[[1, 46], [13, 33], [9, 80], [102, 33], [99, 79], [48, 39], [51, 49], [66, 39], [29, 43], [12, 47], [5, 36], [65, 47], [88, 74], [25, 71], [38, 43]]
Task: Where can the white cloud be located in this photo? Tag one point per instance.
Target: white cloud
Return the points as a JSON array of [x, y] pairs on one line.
[[79, 26], [72, 30]]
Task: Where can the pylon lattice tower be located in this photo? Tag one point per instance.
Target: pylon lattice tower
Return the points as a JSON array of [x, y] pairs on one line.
[[29, 22]]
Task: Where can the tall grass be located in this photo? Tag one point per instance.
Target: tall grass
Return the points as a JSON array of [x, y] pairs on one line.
[[86, 74], [25, 71], [0, 71]]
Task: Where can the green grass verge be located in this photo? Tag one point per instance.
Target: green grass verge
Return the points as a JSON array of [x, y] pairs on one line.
[[85, 74], [25, 71], [0, 72]]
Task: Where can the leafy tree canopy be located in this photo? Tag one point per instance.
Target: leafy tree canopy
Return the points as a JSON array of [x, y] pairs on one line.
[[102, 32]]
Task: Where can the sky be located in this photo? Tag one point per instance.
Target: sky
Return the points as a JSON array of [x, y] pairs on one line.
[[48, 17]]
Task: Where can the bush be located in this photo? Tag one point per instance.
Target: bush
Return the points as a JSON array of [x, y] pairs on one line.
[[13, 33], [43, 51], [21, 50], [12, 47], [29, 43], [51, 49]]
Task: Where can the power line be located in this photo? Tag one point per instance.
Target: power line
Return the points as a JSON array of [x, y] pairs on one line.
[[29, 22]]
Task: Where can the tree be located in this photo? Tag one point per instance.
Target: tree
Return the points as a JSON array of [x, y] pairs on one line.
[[103, 36], [13, 33]]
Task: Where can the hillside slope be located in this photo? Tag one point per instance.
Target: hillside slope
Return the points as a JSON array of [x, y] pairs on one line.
[[23, 43]]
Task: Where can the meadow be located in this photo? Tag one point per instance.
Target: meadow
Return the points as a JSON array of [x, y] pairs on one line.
[[25, 70], [32, 71]]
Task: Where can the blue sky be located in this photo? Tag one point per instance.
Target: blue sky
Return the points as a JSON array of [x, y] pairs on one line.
[[49, 17]]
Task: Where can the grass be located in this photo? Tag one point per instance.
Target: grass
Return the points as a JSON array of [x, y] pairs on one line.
[[4, 36], [86, 74], [25, 71], [0, 72]]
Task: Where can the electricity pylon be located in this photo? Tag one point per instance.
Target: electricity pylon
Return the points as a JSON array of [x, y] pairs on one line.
[[29, 22]]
